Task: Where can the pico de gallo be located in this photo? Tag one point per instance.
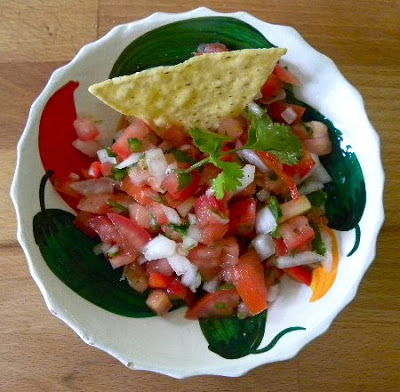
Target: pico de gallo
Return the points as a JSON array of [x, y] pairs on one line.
[[214, 219]]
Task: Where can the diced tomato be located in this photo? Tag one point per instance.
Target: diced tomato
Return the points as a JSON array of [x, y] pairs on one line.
[[249, 191], [136, 276], [222, 303], [232, 127], [305, 165], [250, 283], [159, 302], [300, 273], [228, 157], [207, 260], [212, 233], [300, 131], [122, 259], [275, 165], [285, 76], [242, 217], [229, 251], [99, 203], [134, 237], [176, 290], [158, 280], [276, 109], [272, 87], [85, 128], [95, 169], [280, 247], [144, 195], [161, 265], [206, 203], [106, 169], [138, 129], [296, 232], [208, 173], [65, 188], [171, 185], [81, 221], [140, 215], [105, 229], [176, 136]]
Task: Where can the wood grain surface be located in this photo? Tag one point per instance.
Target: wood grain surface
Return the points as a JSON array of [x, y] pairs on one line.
[[361, 350]]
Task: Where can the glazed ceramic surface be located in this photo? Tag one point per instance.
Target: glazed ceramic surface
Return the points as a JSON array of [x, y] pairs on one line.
[[173, 345]]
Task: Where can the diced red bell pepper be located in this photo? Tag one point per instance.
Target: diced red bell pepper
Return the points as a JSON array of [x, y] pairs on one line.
[[300, 273]]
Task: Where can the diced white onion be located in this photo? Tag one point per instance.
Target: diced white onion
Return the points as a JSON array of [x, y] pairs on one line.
[[192, 219], [101, 248], [156, 163], [273, 292], [133, 158], [159, 247], [184, 208], [265, 221], [113, 250], [171, 215], [171, 168], [105, 158], [302, 258], [263, 195], [95, 186], [264, 246], [254, 108], [252, 157], [248, 176], [189, 243], [211, 285], [310, 186], [182, 266], [319, 173], [89, 147], [289, 115]]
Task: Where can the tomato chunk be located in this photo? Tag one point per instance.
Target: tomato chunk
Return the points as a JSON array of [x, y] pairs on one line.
[[250, 282], [134, 237], [272, 87], [242, 216], [219, 304], [276, 109], [300, 273], [296, 232]]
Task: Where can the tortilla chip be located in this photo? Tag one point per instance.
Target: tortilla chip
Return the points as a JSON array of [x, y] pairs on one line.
[[199, 92]]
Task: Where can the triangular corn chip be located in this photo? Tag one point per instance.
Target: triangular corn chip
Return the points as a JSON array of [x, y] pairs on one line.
[[199, 92]]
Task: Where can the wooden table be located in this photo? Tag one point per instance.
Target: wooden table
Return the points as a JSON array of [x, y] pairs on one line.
[[361, 350]]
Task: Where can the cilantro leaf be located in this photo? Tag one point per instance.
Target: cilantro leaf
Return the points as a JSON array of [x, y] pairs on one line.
[[318, 244], [180, 229], [184, 179], [275, 207], [208, 142], [228, 180], [278, 139], [182, 156]]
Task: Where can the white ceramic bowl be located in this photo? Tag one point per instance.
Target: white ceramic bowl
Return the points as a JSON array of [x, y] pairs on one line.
[[172, 345]]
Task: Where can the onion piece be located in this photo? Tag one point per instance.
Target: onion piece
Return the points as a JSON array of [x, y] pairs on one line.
[[328, 257], [248, 176], [302, 258], [159, 247], [89, 147], [265, 221], [182, 266], [280, 97], [251, 157], [211, 285], [264, 246], [319, 173], [289, 115], [310, 186], [132, 159], [273, 292], [171, 215], [105, 158], [254, 108], [95, 186], [156, 163]]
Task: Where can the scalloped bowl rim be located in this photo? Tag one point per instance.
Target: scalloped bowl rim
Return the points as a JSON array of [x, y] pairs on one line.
[[76, 322]]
